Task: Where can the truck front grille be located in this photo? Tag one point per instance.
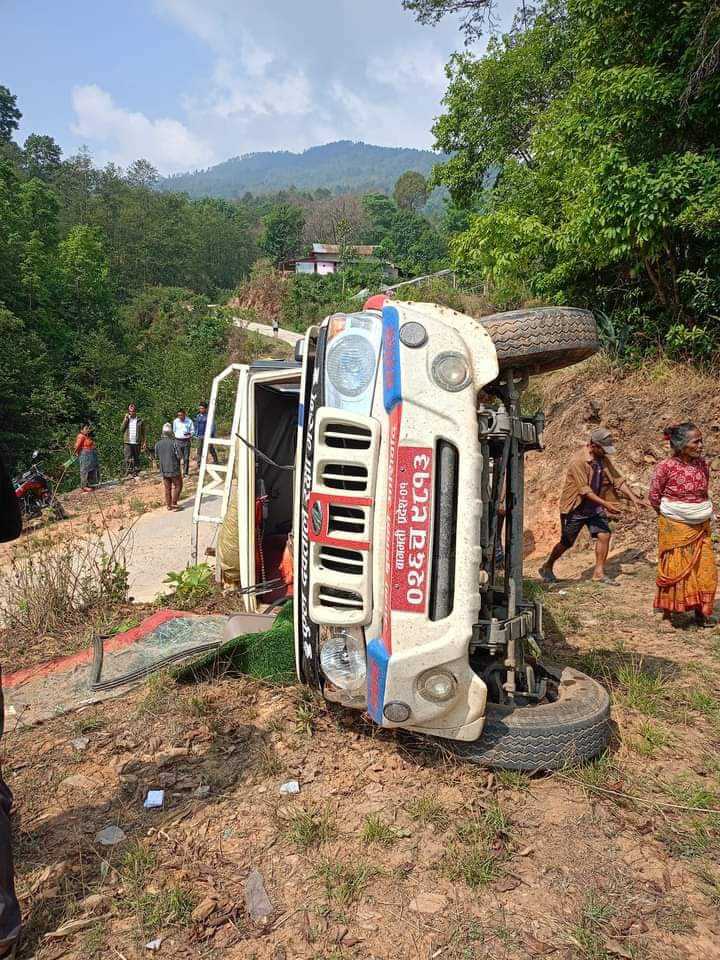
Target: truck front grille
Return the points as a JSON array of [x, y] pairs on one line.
[[343, 600], [345, 468], [347, 436], [345, 476], [347, 520]]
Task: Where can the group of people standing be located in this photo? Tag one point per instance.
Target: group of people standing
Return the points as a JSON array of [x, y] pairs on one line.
[[679, 494], [173, 466]]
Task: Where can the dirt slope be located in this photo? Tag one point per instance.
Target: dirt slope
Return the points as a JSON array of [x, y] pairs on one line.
[[392, 850], [636, 406]]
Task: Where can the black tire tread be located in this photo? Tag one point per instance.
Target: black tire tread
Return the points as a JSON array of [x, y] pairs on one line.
[[574, 729], [540, 339]]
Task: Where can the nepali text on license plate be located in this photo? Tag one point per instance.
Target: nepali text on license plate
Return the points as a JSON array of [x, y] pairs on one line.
[[410, 548]]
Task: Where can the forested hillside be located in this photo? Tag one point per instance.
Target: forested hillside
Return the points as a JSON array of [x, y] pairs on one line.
[[105, 284], [602, 117], [342, 167]]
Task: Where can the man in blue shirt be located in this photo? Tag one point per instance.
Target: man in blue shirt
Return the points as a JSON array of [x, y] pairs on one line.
[[183, 431], [202, 427]]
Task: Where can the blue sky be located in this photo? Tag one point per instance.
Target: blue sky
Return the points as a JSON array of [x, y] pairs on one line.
[[188, 83]]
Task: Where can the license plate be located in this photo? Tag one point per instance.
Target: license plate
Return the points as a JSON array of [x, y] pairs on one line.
[[410, 545]]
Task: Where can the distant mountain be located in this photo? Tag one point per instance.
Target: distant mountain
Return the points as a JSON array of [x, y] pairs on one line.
[[343, 167]]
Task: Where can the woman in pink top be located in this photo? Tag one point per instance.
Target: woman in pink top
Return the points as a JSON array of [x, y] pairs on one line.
[[687, 575]]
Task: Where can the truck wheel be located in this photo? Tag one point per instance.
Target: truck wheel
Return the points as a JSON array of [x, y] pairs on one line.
[[572, 729], [542, 338]]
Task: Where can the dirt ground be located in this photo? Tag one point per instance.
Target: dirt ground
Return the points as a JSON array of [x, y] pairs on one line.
[[392, 849]]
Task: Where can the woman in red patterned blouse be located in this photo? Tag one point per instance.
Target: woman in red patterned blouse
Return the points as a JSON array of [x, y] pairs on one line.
[[687, 576]]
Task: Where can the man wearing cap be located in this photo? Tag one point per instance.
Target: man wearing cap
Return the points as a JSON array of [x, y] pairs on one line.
[[168, 455], [592, 485]]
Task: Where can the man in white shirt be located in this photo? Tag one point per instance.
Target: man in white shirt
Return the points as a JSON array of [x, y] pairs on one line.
[[183, 431], [134, 440]]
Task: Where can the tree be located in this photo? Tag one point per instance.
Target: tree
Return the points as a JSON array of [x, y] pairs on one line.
[[476, 13], [411, 191], [335, 220], [10, 116], [609, 192], [41, 156], [282, 232], [141, 173]]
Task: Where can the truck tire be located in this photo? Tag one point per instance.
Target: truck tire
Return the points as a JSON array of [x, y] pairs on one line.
[[572, 729], [540, 339]]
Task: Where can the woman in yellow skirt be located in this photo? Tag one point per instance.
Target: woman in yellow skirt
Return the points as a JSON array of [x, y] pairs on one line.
[[687, 575]]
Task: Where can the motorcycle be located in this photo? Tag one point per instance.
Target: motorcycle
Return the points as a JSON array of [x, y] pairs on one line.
[[34, 491]]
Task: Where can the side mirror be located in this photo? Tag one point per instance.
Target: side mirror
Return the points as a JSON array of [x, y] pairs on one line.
[[300, 350]]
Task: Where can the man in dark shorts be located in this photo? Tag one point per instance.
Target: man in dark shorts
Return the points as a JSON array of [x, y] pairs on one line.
[[588, 496]]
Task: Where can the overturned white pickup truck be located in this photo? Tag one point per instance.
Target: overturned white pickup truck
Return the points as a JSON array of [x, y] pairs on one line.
[[404, 429]]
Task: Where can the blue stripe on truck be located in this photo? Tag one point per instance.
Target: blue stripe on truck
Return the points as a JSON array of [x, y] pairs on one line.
[[392, 386]]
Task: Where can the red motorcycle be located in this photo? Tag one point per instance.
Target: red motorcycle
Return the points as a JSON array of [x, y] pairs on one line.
[[34, 491]]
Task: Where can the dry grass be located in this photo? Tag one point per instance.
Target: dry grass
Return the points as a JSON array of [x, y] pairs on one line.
[[53, 585]]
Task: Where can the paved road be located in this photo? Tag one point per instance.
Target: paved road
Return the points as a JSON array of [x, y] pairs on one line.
[[160, 542], [289, 336]]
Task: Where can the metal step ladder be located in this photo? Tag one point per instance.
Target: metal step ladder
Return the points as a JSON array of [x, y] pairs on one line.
[[215, 480]]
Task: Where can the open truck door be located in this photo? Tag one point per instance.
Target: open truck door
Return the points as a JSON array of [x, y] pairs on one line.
[[249, 498]]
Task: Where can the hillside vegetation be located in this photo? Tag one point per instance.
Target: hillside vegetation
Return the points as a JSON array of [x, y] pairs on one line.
[[342, 167]]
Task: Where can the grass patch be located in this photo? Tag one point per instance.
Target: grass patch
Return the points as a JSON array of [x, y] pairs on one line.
[[305, 713], [598, 773], [427, 810], [160, 695], [651, 739], [695, 835], [476, 865], [512, 779], [710, 881], [375, 830], [136, 866], [64, 584], [266, 762], [171, 906], [481, 844], [641, 690], [344, 882], [589, 934], [310, 827], [704, 703], [85, 725], [94, 945]]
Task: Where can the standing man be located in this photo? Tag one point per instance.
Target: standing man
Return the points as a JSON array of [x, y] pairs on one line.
[[167, 454], [591, 486], [10, 529], [183, 430], [134, 440], [202, 427]]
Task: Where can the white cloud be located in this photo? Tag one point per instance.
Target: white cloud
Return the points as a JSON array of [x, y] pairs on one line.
[[121, 135], [234, 95]]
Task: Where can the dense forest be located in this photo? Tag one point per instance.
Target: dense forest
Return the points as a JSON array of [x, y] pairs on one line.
[[581, 154], [109, 286], [342, 167], [602, 119]]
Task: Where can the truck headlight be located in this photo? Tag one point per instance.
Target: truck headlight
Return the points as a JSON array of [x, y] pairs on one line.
[[342, 658], [450, 371], [351, 360], [350, 364]]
